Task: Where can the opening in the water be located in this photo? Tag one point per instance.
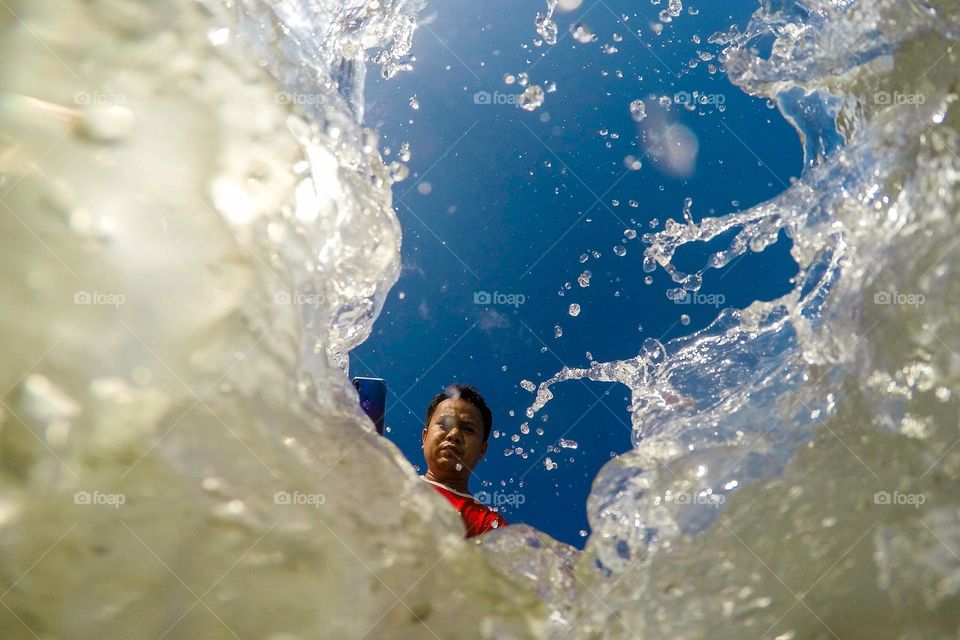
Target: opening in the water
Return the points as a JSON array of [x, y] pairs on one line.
[[524, 229]]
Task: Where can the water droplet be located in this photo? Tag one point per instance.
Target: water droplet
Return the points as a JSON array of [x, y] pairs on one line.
[[398, 171], [620, 250], [574, 310], [557, 331], [218, 36], [568, 444], [527, 385], [584, 279], [107, 123], [684, 319], [582, 33], [630, 234], [531, 99], [546, 27], [638, 110], [414, 103]]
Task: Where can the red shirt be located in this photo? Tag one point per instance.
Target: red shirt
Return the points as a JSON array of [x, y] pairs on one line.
[[477, 518]]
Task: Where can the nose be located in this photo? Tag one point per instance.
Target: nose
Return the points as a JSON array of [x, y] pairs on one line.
[[455, 435]]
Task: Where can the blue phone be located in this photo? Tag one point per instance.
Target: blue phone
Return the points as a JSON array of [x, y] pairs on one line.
[[373, 399]]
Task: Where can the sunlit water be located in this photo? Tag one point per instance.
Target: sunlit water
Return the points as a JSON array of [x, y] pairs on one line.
[[196, 230]]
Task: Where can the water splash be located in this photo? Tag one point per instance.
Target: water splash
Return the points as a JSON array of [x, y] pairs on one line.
[[792, 423], [175, 428]]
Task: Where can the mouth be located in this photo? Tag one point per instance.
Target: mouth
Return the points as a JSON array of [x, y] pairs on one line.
[[450, 449]]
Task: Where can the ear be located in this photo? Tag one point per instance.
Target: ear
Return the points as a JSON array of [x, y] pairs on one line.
[[423, 436]]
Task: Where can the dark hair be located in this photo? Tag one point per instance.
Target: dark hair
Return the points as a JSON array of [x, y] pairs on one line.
[[471, 395]]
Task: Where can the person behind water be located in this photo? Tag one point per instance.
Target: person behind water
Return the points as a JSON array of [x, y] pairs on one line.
[[454, 441]]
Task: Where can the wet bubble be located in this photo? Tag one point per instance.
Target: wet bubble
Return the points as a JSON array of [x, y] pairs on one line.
[[620, 250], [584, 279], [574, 310], [684, 319]]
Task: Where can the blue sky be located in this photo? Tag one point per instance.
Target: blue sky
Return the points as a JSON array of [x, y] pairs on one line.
[[500, 199]]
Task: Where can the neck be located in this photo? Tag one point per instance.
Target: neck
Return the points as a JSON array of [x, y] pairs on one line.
[[457, 484]]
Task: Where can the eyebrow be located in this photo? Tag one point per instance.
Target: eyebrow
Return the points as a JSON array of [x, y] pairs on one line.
[[463, 418]]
